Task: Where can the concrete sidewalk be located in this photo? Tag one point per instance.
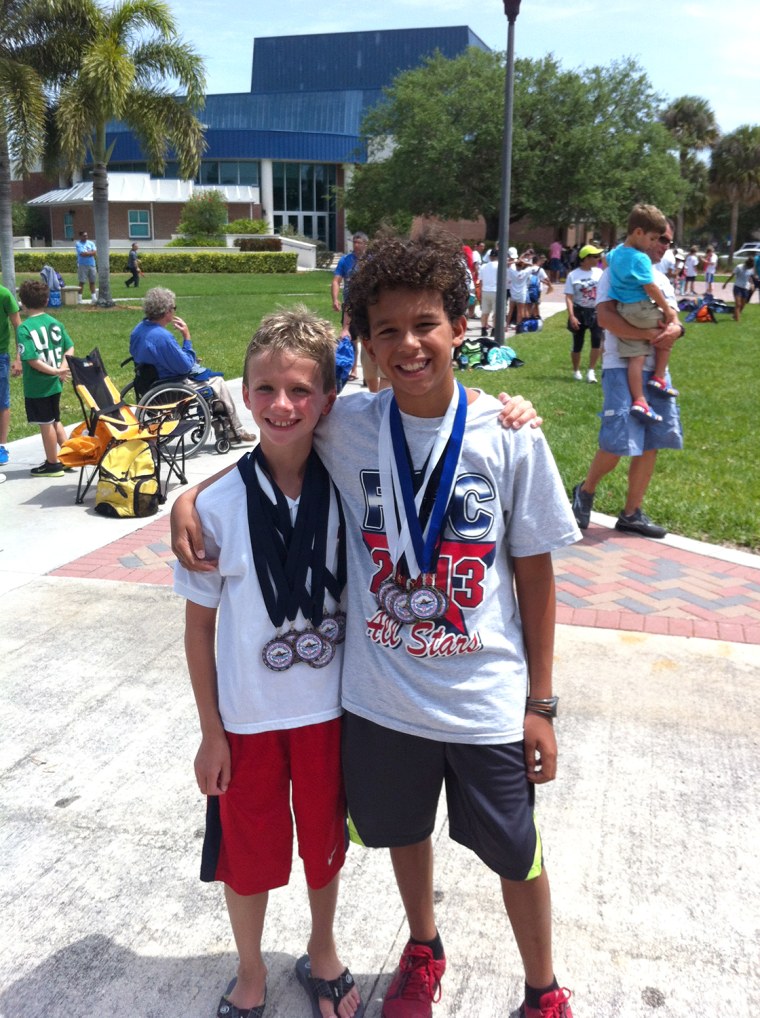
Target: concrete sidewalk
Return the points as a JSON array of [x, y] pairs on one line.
[[651, 830]]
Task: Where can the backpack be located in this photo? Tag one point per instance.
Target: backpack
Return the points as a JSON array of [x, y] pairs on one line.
[[530, 325], [534, 289], [344, 361], [128, 480], [469, 354]]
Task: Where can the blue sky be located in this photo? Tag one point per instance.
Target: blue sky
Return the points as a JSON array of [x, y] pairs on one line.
[[686, 46]]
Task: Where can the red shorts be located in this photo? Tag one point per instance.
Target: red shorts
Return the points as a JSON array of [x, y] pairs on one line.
[[249, 829]]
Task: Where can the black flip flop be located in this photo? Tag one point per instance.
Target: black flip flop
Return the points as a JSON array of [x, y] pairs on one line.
[[227, 1010], [333, 990]]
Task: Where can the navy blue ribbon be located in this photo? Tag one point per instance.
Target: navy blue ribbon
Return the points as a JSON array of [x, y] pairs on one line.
[[425, 548]]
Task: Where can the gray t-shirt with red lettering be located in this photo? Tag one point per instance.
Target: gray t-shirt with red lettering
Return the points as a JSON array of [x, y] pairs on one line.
[[462, 678]]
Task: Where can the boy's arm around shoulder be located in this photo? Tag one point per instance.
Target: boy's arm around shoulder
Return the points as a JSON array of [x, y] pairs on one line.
[[534, 586], [212, 762], [187, 533]]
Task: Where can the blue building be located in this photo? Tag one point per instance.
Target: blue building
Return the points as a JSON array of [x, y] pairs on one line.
[[295, 135]]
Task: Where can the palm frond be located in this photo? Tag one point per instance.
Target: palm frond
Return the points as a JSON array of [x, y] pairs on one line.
[[22, 101]]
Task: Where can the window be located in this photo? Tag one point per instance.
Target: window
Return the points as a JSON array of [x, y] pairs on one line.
[[249, 172], [139, 224]]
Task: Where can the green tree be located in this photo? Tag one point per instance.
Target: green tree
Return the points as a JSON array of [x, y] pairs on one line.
[[204, 214], [39, 46], [735, 172], [586, 145], [691, 123], [129, 58]]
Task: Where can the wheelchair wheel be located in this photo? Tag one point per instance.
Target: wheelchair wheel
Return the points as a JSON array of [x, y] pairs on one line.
[[196, 410], [223, 445]]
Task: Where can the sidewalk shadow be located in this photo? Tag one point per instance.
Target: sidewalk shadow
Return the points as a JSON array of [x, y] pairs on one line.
[[97, 976]]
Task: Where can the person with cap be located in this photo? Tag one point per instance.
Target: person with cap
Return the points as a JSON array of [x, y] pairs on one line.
[[518, 278], [580, 298]]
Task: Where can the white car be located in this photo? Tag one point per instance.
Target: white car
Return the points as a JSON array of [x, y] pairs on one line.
[[747, 251]]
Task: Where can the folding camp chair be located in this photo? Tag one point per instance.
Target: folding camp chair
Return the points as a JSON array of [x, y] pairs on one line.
[[108, 420]]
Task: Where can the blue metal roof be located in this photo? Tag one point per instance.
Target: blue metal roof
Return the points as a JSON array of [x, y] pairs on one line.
[[296, 145], [350, 60]]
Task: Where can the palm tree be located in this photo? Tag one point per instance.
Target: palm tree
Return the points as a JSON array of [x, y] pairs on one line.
[[131, 53], [691, 123], [38, 47], [735, 172]]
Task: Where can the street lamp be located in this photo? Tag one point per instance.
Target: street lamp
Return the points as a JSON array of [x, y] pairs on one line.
[[511, 9]]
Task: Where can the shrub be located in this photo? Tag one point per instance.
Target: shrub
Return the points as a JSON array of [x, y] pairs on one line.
[[204, 215], [247, 226], [160, 261], [199, 240], [259, 244], [29, 222]]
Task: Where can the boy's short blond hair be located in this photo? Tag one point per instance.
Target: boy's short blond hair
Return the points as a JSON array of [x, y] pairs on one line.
[[647, 218], [300, 332]]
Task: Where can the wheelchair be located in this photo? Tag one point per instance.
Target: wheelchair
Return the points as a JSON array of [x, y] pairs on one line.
[[206, 409]]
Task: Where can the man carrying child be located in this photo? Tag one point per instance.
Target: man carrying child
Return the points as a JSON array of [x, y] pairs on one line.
[[641, 302]]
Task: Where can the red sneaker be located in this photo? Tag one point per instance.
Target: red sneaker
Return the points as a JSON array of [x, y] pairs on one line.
[[416, 985], [554, 1004]]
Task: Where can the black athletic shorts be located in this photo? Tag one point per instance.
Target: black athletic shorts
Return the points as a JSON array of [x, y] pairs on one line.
[[393, 783], [43, 409]]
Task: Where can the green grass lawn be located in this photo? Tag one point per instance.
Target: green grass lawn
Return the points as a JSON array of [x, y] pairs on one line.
[[710, 491]]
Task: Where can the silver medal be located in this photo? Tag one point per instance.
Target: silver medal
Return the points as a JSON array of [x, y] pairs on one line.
[[329, 628], [426, 603], [325, 657], [309, 646], [278, 654], [397, 606]]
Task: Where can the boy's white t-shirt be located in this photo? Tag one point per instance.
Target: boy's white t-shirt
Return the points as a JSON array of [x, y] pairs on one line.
[[691, 265], [518, 284], [252, 698], [464, 678]]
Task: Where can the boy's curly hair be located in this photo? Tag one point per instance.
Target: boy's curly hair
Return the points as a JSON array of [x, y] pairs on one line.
[[429, 259]]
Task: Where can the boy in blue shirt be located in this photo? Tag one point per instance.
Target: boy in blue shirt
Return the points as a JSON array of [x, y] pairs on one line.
[[641, 303]]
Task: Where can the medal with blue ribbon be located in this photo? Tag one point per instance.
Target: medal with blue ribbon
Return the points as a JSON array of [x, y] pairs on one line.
[[414, 520]]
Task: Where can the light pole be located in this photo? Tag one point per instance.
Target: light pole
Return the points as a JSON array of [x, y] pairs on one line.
[[511, 9]]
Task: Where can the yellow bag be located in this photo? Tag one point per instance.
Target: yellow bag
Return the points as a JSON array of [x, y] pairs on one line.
[[128, 480]]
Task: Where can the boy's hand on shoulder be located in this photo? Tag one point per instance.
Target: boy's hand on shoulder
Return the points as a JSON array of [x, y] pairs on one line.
[[540, 749], [187, 535], [212, 764], [517, 412]]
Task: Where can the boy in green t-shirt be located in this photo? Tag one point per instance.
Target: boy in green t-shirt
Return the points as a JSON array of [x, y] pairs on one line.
[[42, 344], [9, 316]]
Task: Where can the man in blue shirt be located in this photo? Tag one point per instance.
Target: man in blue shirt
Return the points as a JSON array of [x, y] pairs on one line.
[[86, 269], [343, 271]]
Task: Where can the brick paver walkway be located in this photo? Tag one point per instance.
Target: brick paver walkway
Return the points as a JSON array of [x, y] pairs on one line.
[[609, 580]]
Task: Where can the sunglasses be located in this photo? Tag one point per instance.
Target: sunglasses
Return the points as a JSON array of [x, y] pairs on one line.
[[666, 240]]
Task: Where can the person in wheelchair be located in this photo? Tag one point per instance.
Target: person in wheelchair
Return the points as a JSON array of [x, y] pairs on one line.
[[152, 344]]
